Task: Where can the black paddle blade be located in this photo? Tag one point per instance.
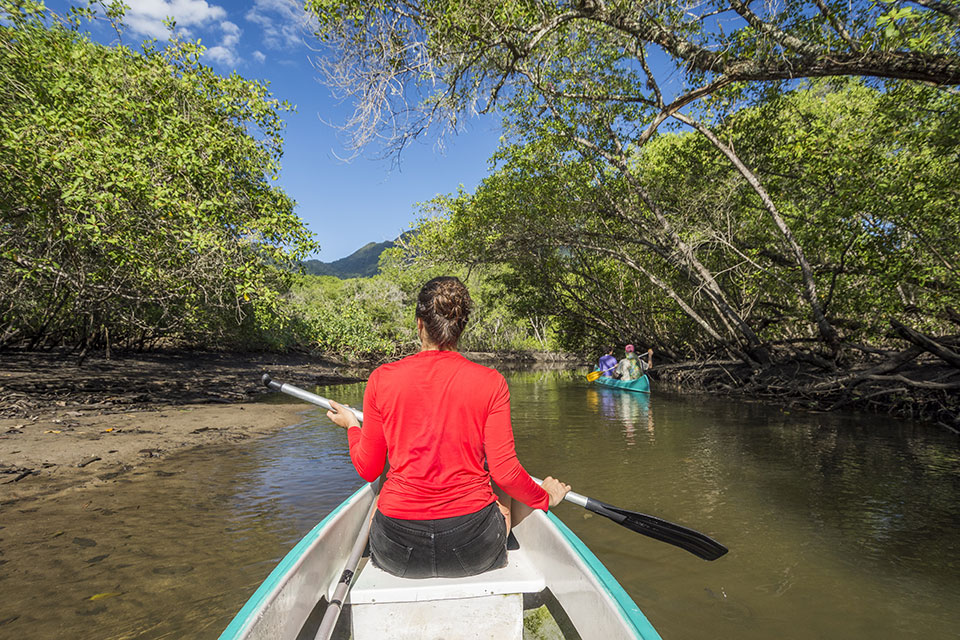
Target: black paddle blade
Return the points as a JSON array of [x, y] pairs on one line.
[[698, 544]]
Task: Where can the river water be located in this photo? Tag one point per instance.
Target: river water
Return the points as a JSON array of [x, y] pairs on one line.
[[839, 526]]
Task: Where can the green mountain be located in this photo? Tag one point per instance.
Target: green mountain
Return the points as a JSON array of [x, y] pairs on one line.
[[362, 263]]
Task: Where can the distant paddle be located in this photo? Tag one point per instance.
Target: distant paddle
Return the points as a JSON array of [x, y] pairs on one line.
[[695, 542], [593, 375], [698, 544]]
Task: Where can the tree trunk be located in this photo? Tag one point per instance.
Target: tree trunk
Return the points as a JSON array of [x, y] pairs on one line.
[[827, 331]]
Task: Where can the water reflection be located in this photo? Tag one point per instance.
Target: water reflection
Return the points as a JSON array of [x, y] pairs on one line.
[[630, 409]]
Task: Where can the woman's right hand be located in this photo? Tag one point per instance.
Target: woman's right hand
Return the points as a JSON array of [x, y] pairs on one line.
[[555, 489], [342, 416]]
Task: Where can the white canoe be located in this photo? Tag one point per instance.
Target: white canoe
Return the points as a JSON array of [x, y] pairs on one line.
[[551, 566]]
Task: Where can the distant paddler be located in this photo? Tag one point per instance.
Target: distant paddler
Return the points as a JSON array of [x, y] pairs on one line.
[[607, 364], [631, 367]]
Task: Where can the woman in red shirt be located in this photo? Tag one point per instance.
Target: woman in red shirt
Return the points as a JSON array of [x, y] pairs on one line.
[[444, 423]]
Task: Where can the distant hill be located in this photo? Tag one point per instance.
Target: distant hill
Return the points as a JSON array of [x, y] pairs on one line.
[[362, 263]]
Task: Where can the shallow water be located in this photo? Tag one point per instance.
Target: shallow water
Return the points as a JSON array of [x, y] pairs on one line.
[[839, 526]]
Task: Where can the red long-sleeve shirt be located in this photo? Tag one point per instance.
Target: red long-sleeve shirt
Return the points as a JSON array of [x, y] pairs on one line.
[[440, 416]]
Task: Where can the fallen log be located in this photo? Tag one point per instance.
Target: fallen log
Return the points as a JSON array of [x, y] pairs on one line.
[[851, 399], [896, 362], [945, 425], [21, 476], [926, 343], [919, 384]]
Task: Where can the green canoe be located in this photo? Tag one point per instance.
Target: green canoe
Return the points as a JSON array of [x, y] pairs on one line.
[[640, 385]]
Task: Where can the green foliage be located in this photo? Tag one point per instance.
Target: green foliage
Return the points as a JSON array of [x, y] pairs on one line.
[[136, 195], [373, 318], [866, 180], [878, 170], [360, 317], [583, 97], [451, 57], [497, 322]]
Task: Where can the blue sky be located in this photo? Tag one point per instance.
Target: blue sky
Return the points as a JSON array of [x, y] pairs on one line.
[[346, 204]]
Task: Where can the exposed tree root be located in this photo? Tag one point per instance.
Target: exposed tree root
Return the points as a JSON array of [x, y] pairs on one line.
[[911, 384]]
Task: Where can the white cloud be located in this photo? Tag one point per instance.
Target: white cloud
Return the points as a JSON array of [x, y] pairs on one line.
[[226, 52], [231, 34], [222, 55], [146, 17], [284, 22], [259, 57]]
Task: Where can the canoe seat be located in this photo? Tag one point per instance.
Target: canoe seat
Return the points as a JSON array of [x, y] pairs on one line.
[[490, 605]]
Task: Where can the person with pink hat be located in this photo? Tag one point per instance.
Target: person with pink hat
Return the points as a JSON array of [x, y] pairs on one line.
[[631, 368]]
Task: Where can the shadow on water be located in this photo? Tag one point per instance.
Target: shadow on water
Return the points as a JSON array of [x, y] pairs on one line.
[[838, 525]]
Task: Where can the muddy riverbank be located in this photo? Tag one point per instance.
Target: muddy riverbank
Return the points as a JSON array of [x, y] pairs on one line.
[[64, 425]]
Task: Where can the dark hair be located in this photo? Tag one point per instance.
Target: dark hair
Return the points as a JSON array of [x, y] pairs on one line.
[[444, 306]]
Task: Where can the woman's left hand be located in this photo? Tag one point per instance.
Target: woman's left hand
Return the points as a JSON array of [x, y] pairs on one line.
[[342, 416], [555, 489]]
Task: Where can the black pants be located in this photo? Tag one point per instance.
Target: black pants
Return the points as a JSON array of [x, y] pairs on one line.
[[446, 547]]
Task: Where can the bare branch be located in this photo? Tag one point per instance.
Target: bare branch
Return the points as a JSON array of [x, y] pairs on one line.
[[837, 25]]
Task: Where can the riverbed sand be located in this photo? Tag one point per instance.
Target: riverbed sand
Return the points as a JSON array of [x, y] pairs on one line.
[[66, 424]]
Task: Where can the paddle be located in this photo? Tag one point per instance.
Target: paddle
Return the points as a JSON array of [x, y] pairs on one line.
[[593, 375], [687, 539], [695, 542]]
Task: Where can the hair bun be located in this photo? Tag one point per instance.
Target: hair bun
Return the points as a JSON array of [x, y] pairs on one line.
[[444, 305], [450, 300]]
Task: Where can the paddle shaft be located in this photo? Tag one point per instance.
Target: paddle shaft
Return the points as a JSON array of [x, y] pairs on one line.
[[304, 395], [571, 496]]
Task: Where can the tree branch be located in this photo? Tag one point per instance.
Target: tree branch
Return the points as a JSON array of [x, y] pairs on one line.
[[926, 343]]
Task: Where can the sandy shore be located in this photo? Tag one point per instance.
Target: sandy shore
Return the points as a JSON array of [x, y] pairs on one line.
[[66, 425]]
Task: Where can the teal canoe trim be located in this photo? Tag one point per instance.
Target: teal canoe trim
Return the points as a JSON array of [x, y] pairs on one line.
[[629, 610], [243, 619], [641, 384]]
